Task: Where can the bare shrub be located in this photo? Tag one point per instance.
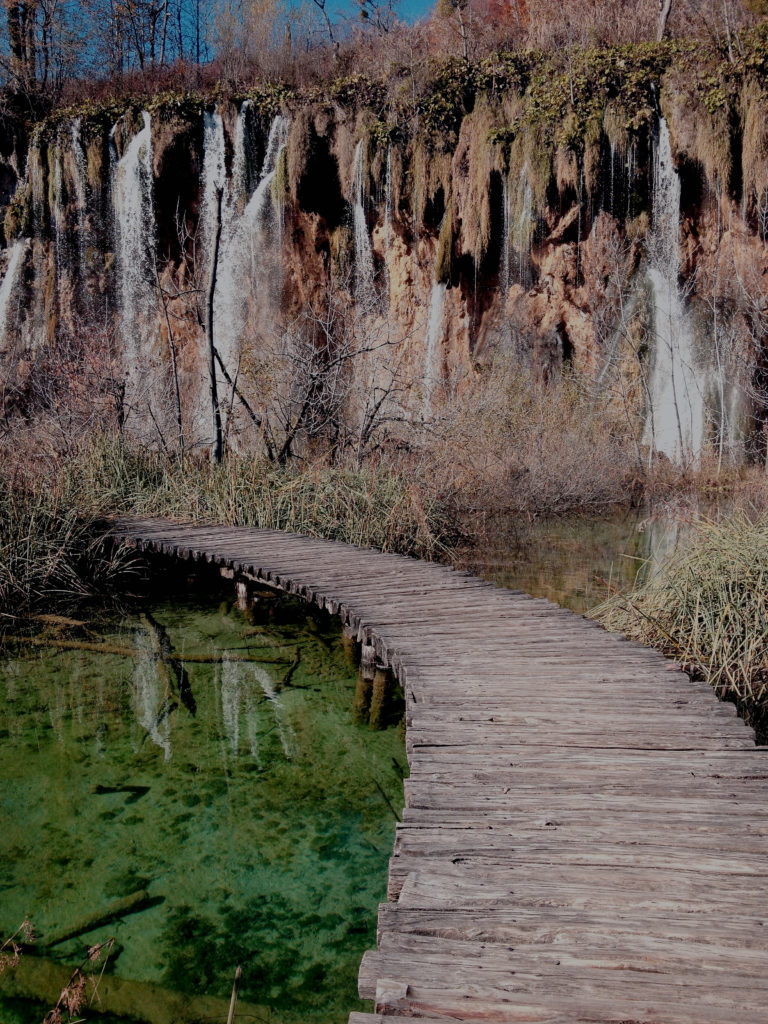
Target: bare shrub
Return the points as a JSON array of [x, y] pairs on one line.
[[515, 443]]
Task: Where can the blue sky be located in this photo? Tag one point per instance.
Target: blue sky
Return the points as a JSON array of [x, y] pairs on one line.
[[408, 10]]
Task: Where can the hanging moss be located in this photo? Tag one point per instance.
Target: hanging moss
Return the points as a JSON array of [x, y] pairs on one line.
[[754, 140], [593, 140], [473, 162], [700, 127], [530, 156], [18, 215], [280, 182], [430, 183]]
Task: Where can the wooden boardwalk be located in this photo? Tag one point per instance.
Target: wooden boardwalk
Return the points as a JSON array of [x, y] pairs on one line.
[[585, 835]]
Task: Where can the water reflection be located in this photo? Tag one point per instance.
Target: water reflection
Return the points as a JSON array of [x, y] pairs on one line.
[[578, 562]]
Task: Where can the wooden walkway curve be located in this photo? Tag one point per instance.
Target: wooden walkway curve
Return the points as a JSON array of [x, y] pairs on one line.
[[585, 835]]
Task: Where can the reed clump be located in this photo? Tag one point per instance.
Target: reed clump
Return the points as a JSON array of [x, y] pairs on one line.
[[49, 551], [53, 514], [707, 607], [371, 506]]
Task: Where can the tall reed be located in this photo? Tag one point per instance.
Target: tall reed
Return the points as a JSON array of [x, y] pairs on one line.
[[49, 551], [707, 607]]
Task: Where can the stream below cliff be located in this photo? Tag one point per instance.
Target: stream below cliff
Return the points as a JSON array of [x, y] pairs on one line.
[[577, 561]]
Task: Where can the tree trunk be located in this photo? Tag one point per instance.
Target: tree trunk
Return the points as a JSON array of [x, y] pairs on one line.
[[13, 15], [664, 8], [164, 33], [216, 447]]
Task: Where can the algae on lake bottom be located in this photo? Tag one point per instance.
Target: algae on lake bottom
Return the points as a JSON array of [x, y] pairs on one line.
[[243, 796]]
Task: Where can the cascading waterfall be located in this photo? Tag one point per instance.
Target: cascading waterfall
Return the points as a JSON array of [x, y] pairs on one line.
[[365, 292], [676, 384], [506, 214], [246, 255], [58, 214], [522, 228], [8, 289], [36, 180], [241, 162], [388, 214], [81, 194], [132, 202], [433, 361]]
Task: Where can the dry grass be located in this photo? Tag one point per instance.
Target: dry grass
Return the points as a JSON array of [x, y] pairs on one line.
[[707, 607], [52, 516], [50, 551], [513, 443]]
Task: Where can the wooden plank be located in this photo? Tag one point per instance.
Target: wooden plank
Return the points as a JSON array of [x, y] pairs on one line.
[[586, 831]]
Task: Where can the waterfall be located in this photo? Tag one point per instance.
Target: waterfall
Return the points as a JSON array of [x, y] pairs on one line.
[[81, 194], [8, 287], [433, 359], [214, 174], [58, 214], [241, 160], [244, 254], [365, 294], [388, 214], [135, 242], [36, 179], [522, 227], [506, 214], [675, 420]]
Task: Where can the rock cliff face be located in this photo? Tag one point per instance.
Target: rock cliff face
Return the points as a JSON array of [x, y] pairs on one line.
[[622, 234]]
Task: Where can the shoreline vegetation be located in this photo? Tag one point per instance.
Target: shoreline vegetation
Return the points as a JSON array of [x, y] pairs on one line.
[[705, 606]]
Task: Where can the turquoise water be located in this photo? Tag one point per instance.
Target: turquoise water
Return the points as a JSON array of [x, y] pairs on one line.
[[209, 764]]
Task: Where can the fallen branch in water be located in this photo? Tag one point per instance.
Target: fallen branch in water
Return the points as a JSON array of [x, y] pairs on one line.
[[131, 652], [132, 904]]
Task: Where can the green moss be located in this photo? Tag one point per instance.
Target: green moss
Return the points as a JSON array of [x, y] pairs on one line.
[[280, 182], [18, 215]]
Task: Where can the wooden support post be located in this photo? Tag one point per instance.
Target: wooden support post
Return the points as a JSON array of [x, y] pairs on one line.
[[379, 698]]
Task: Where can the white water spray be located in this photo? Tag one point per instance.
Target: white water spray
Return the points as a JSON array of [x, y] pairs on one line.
[[365, 293], [8, 288], [247, 254], [677, 385], [433, 361], [132, 202]]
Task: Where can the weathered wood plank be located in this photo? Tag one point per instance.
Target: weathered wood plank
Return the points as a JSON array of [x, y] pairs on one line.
[[585, 836]]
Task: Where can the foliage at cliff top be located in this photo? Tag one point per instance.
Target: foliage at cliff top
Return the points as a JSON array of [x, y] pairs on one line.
[[564, 92]]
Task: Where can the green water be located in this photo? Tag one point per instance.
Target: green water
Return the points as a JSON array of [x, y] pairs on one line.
[[242, 795]]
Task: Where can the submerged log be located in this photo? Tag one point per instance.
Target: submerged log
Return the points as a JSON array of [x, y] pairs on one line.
[[131, 652], [132, 904]]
